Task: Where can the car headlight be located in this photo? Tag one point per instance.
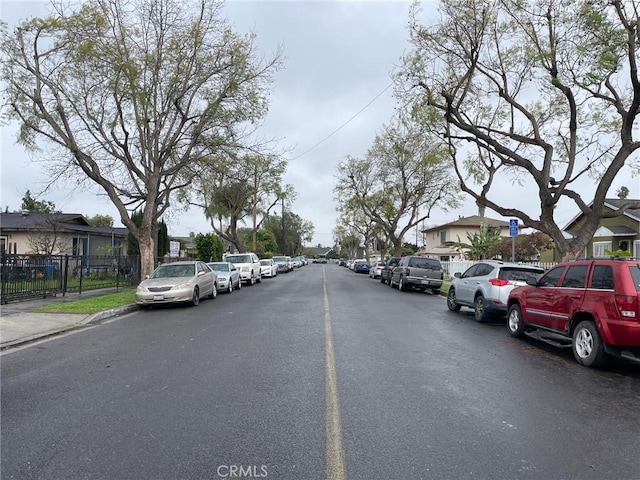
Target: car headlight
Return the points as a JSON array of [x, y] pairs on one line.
[[141, 289], [182, 285]]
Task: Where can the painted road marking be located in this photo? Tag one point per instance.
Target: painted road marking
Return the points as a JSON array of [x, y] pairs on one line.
[[335, 454]]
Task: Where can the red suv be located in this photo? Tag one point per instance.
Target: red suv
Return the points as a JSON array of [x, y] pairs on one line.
[[590, 304]]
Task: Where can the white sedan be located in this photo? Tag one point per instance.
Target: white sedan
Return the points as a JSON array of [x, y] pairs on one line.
[[268, 268]]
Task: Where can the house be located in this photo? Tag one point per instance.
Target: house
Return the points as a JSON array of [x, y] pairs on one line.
[[58, 234], [615, 233], [435, 238]]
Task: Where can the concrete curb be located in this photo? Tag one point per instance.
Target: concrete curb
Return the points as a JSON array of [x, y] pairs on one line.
[[114, 312], [95, 318]]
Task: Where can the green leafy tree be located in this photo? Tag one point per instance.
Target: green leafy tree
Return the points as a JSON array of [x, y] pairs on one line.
[[210, 247], [30, 204], [290, 235], [526, 247], [531, 93], [409, 248], [101, 221], [133, 247], [162, 243], [133, 95], [267, 243]]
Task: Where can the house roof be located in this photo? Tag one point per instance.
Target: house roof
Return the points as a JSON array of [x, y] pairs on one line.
[[73, 222], [613, 204], [472, 221]]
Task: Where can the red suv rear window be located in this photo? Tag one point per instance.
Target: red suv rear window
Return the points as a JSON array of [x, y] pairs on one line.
[[635, 274]]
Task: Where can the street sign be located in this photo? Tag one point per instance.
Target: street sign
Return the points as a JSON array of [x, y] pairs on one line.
[[513, 227]]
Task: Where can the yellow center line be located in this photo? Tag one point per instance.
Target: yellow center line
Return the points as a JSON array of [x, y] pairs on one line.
[[335, 454]]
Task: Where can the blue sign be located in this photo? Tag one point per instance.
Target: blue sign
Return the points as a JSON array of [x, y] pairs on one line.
[[513, 227]]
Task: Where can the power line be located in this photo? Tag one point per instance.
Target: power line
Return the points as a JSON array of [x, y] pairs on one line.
[[344, 124]]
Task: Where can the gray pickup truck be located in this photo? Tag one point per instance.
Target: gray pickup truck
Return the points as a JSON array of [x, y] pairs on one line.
[[418, 272]]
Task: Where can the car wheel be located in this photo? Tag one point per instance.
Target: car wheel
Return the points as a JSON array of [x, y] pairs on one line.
[[259, 279], [239, 286], [252, 281], [451, 301], [478, 309], [382, 280], [143, 307], [195, 299], [230, 287], [515, 322], [588, 348], [214, 292], [402, 285]]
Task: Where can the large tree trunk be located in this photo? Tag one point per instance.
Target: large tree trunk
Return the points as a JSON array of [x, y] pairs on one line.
[[147, 249]]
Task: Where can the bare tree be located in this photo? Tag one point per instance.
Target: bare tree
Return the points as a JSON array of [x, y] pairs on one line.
[[131, 93], [48, 238], [401, 179], [544, 93]]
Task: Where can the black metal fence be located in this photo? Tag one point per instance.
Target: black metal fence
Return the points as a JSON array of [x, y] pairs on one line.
[[37, 276]]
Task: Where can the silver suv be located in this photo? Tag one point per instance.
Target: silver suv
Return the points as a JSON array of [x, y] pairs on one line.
[[485, 286]]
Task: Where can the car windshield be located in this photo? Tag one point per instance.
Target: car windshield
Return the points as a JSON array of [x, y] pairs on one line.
[[265, 262], [238, 258], [168, 271], [279, 259], [519, 274], [219, 267]]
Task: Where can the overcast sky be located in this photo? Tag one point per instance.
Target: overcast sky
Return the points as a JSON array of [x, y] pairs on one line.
[[338, 61]]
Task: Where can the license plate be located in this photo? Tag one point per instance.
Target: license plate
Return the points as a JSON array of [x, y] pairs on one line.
[[158, 297]]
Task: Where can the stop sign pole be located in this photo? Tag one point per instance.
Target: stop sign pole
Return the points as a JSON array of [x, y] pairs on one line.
[[513, 232]]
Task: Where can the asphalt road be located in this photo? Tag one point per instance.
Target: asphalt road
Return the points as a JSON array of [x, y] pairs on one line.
[[319, 373]]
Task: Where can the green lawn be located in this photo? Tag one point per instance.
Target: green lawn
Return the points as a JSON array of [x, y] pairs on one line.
[[92, 305]]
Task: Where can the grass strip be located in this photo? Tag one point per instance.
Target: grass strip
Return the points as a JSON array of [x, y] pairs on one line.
[[93, 304]]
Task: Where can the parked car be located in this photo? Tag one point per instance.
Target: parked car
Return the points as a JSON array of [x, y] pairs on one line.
[[361, 266], [228, 276], [485, 286], [414, 271], [178, 282], [283, 262], [387, 271], [591, 305], [249, 265], [296, 261], [376, 269], [268, 268]]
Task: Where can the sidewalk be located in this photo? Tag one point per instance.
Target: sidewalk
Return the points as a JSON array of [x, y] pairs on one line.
[[19, 324]]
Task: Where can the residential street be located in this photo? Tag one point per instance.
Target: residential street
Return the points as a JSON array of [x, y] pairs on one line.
[[318, 373]]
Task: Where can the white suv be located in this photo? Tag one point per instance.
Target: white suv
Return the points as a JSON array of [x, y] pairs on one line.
[[485, 286], [248, 264]]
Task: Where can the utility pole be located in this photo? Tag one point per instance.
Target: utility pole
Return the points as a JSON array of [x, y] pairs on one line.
[[283, 237], [255, 208]]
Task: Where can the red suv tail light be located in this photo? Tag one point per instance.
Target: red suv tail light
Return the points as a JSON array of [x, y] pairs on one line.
[[498, 282], [627, 306]]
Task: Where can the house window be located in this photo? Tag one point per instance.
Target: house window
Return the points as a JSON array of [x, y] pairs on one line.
[[636, 249], [3, 245], [600, 247], [443, 236]]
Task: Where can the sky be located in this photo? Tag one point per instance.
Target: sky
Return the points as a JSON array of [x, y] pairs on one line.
[[332, 97]]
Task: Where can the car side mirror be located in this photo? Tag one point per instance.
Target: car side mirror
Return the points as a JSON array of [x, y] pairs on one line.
[[532, 281], [457, 274], [146, 277]]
